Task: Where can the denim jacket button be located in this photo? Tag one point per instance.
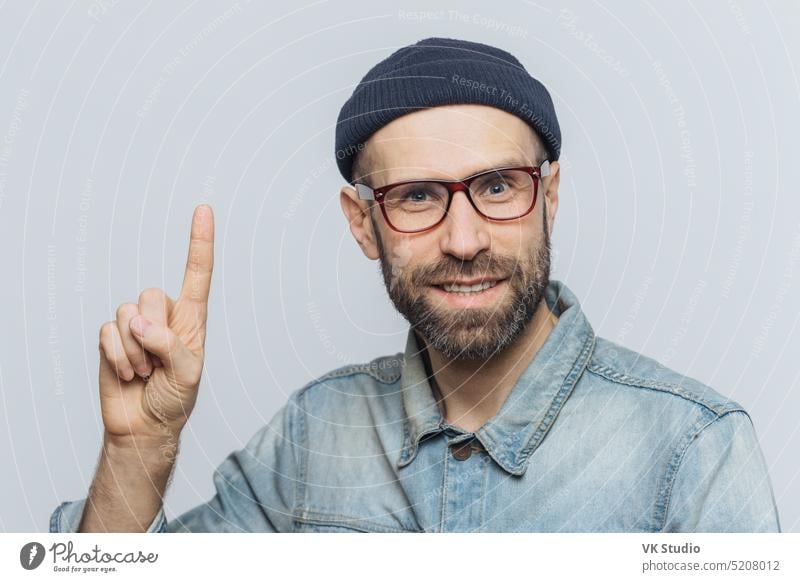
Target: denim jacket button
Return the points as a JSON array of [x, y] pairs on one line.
[[462, 450]]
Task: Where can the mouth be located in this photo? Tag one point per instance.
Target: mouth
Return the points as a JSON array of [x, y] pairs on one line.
[[468, 287], [473, 293]]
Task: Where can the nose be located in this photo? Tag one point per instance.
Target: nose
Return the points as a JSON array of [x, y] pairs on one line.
[[465, 233]]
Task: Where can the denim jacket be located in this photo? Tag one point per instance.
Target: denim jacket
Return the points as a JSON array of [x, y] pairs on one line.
[[593, 437]]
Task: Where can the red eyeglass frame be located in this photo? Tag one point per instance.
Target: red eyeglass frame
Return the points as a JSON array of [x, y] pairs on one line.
[[453, 186]]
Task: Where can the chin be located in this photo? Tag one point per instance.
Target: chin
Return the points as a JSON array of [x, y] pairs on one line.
[[467, 343]]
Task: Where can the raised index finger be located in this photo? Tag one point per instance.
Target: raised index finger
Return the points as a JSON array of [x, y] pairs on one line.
[[200, 262]]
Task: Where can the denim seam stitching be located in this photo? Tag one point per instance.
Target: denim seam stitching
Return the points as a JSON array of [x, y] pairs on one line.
[[364, 368], [563, 394], [677, 462], [484, 489], [404, 452], [340, 520], [666, 387], [301, 491], [444, 487], [55, 519], [413, 445]]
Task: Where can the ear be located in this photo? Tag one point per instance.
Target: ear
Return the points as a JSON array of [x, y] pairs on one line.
[[550, 187], [357, 213]]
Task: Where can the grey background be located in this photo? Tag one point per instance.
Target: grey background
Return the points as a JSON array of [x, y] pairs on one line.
[[678, 226]]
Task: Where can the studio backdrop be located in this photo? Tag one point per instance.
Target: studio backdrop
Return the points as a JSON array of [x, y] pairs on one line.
[[678, 225]]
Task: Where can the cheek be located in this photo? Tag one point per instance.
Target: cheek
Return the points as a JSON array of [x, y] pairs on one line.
[[400, 256], [518, 239], [515, 239], [409, 251]]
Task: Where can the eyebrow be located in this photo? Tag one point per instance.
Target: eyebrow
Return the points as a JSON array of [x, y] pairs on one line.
[[506, 162], [509, 162]]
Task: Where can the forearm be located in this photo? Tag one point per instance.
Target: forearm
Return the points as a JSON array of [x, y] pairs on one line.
[[129, 485]]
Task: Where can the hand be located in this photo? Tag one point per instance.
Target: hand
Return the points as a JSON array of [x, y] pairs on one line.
[[151, 356]]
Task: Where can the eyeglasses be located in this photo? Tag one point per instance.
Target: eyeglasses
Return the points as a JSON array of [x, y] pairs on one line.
[[419, 205]]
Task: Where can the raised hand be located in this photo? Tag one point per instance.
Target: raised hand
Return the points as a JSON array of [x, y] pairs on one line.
[[151, 356]]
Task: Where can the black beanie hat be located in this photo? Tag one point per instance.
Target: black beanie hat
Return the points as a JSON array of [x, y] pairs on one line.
[[442, 71]]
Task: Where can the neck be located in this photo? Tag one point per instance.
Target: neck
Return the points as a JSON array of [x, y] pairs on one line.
[[471, 392]]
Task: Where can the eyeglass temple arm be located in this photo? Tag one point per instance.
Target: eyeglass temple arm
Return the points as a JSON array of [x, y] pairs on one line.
[[364, 192], [367, 193]]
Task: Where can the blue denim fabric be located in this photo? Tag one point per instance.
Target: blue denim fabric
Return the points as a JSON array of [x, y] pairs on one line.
[[593, 437]]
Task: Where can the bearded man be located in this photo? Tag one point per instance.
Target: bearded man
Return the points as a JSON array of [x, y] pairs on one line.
[[505, 412]]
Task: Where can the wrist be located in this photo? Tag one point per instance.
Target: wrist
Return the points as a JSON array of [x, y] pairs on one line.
[[160, 449]]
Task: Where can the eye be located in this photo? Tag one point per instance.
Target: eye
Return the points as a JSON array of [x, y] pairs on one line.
[[416, 195], [497, 187]]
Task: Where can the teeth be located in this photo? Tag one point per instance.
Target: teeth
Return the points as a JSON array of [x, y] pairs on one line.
[[469, 288]]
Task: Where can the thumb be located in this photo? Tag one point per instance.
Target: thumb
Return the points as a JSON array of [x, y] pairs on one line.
[[161, 341]]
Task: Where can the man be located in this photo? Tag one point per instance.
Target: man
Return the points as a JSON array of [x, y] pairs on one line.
[[505, 412]]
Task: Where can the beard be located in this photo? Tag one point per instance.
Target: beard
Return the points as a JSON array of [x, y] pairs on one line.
[[473, 333]]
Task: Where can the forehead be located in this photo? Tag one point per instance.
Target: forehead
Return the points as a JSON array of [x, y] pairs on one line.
[[449, 142]]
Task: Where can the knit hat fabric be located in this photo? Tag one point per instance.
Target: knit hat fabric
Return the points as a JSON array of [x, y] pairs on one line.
[[442, 71]]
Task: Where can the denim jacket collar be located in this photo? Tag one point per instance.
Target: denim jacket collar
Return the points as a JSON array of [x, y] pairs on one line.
[[522, 422]]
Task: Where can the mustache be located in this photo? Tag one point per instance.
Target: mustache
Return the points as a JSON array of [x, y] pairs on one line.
[[485, 265]]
